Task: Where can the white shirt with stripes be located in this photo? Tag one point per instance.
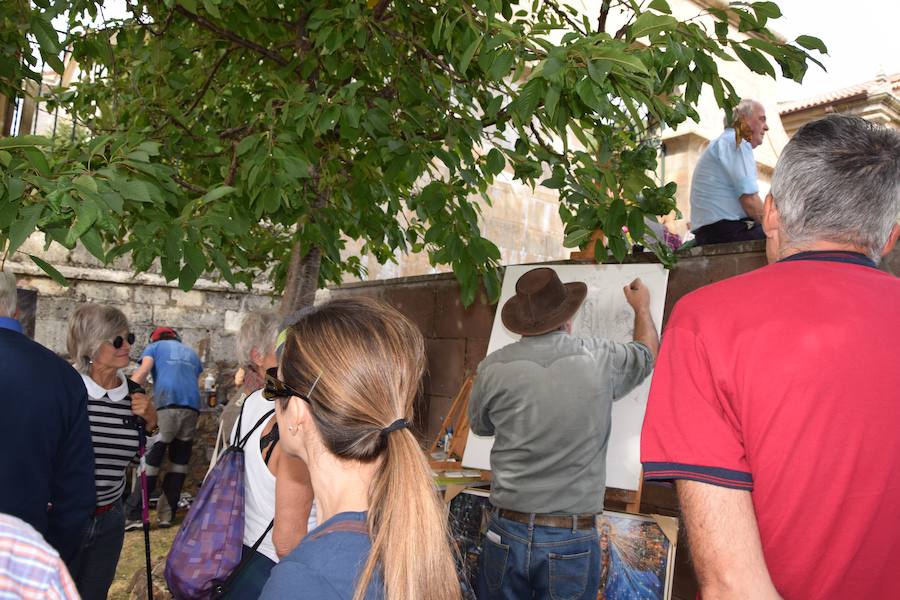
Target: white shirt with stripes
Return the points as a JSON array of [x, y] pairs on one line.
[[115, 440]]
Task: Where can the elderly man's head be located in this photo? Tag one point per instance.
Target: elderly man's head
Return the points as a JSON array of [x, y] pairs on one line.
[[7, 294], [753, 115], [836, 184]]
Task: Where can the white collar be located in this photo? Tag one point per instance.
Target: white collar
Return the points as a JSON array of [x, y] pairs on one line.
[[95, 390]]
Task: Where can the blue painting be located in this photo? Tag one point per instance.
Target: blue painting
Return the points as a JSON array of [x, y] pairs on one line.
[[637, 558]]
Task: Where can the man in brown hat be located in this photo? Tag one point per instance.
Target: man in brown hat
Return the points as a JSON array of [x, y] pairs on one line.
[[547, 400]]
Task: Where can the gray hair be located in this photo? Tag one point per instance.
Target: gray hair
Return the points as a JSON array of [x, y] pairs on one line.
[[259, 331], [743, 109], [838, 180], [7, 293], [89, 326]]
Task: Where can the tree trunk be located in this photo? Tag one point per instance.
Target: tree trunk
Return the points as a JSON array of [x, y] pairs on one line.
[[303, 272], [302, 280]]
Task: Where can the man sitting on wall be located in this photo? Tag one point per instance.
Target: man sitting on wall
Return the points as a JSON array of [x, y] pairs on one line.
[[725, 203], [547, 399], [776, 399]]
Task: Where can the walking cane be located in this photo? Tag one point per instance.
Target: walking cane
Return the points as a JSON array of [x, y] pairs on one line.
[[145, 501]]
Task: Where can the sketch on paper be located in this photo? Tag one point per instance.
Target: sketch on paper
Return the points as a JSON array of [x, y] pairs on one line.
[[605, 313], [637, 558]]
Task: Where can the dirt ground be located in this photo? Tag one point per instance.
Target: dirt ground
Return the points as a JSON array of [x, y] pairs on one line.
[[132, 557]]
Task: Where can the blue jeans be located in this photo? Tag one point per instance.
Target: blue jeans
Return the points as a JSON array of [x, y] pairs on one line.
[[95, 566], [532, 561]]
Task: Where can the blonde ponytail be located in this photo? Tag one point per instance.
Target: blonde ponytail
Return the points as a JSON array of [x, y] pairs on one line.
[[369, 360]]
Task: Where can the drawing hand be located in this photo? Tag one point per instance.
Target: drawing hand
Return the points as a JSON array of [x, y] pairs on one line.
[[638, 295]]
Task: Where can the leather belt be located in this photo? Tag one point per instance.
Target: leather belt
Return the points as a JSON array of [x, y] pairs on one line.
[[582, 521], [105, 508]]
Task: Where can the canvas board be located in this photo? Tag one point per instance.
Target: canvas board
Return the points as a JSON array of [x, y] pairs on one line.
[[605, 313]]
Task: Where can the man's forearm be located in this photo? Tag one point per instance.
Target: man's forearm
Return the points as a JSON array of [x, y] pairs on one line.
[[753, 206], [723, 538], [645, 331]]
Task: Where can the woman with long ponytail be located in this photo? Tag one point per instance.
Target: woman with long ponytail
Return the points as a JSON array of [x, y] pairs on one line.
[[350, 372]]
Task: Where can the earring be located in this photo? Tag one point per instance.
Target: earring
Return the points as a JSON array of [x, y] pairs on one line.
[[291, 428]]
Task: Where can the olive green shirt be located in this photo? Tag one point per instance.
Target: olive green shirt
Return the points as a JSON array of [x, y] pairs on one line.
[[547, 400]]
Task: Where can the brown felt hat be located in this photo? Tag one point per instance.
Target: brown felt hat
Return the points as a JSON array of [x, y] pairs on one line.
[[542, 302]]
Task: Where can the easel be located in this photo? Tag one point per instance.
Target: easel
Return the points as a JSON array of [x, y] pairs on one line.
[[458, 418]]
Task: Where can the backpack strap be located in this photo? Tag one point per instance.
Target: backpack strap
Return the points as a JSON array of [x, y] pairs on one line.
[[134, 387], [262, 420], [341, 526]]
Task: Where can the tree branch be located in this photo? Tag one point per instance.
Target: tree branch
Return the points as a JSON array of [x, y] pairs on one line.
[[209, 79], [233, 37], [232, 169], [188, 185], [382, 5], [604, 13]]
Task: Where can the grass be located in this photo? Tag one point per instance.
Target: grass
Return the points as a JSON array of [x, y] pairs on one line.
[[132, 558]]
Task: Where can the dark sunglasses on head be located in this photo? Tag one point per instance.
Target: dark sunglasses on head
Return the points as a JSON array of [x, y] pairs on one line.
[[119, 340], [275, 388]]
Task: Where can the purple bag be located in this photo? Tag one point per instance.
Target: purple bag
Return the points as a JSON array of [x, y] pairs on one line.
[[206, 551]]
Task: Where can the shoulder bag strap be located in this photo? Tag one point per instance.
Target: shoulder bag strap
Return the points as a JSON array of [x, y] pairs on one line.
[[262, 420]]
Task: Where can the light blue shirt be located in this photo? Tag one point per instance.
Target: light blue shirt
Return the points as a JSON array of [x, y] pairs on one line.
[[175, 371], [724, 173]]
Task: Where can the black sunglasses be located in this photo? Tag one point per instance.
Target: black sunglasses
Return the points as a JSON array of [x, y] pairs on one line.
[[119, 340], [275, 388]]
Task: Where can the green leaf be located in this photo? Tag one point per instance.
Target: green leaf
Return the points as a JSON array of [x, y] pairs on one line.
[[211, 8], [38, 161], [618, 56], [50, 270], [618, 247], [636, 224], [585, 91], [661, 6], [14, 188], [23, 226], [495, 161], [222, 265], [23, 141], [217, 193], [598, 70], [755, 61], [811, 43], [133, 189], [768, 10], [85, 183], [91, 240], [650, 23], [5, 158], [552, 67], [551, 99], [48, 41], [467, 55], [502, 64], [187, 278], [576, 238], [491, 280], [193, 254], [328, 119]]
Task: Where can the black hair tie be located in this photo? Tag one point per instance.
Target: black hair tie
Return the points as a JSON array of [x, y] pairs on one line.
[[398, 424]]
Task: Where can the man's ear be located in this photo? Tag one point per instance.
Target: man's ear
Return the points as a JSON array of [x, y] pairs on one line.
[[256, 356], [892, 240], [771, 219]]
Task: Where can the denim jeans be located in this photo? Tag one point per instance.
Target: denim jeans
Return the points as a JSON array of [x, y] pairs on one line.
[[532, 561], [95, 566]]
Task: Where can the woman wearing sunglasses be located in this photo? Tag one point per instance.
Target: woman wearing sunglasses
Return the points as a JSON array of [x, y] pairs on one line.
[[350, 371], [266, 538], [99, 343]]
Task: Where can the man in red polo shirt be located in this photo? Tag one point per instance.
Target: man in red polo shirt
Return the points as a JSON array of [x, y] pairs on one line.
[[776, 398]]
